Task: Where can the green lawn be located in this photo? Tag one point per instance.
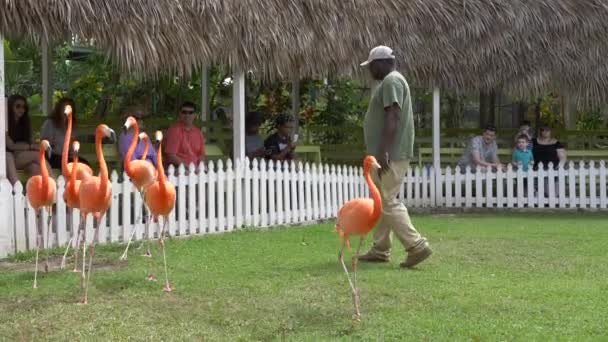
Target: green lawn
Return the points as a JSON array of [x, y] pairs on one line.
[[492, 277]]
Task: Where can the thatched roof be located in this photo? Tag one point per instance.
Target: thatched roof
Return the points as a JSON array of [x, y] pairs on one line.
[[521, 46]]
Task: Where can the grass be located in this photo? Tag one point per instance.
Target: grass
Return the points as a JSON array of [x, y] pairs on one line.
[[492, 277]]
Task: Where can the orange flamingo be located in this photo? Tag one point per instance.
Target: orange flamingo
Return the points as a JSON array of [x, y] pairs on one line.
[[144, 137], [358, 217], [95, 196], [71, 190], [71, 196], [141, 172], [41, 191], [160, 197], [82, 170]]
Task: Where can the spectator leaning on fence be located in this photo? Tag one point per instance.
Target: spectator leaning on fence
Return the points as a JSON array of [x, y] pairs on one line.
[[481, 152], [547, 149], [254, 143]]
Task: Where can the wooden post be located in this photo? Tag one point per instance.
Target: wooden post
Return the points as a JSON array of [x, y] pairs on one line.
[[3, 118], [295, 101], [238, 116], [205, 105], [47, 87], [436, 145]]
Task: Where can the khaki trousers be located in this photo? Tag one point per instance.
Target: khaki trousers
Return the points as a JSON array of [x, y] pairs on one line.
[[395, 217]]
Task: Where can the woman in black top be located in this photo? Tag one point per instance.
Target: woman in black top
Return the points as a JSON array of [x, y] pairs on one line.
[[547, 149]]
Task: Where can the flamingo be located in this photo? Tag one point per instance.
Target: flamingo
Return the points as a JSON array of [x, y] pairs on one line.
[[41, 191], [82, 170], [71, 196], [95, 196], [160, 197], [71, 188], [143, 136], [358, 217], [141, 172]]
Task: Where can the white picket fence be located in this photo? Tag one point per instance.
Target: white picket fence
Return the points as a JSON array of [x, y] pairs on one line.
[[227, 197]]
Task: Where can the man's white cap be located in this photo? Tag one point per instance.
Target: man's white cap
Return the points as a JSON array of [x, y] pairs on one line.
[[379, 52]]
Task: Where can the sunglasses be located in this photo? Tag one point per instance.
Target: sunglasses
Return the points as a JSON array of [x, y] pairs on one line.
[[187, 112]]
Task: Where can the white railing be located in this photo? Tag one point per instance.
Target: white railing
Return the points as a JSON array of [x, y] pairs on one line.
[[228, 197]]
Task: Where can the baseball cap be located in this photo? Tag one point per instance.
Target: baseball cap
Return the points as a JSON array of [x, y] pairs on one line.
[[379, 52]]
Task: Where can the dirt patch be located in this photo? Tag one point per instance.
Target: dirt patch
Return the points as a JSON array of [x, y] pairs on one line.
[[99, 264]]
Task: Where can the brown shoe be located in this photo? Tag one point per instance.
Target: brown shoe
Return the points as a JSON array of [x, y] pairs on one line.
[[371, 257], [414, 259]]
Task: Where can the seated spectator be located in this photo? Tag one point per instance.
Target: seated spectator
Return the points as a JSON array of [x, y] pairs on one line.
[[524, 129], [254, 144], [21, 152], [54, 128], [481, 152], [280, 145], [125, 139], [547, 149], [184, 142], [522, 155]]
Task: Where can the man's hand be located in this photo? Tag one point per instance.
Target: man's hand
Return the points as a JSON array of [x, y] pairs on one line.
[[383, 161]]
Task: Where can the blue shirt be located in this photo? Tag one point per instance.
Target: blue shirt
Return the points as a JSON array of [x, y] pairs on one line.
[[523, 156]]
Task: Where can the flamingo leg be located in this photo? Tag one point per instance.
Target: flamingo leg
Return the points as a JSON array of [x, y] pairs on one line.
[[147, 230], [167, 287], [96, 221], [83, 242], [38, 243], [356, 298], [357, 314], [74, 237], [49, 220], [124, 255], [80, 241]]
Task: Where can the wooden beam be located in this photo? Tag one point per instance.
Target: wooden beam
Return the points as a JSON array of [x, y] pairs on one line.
[[238, 116], [47, 85]]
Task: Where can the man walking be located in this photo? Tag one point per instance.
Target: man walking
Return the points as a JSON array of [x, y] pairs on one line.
[[389, 136]]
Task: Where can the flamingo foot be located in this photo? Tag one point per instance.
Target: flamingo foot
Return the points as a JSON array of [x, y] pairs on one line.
[[168, 288], [83, 301], [35, 285], [147, 254], [151, 277], [75, 270], [356, 303]]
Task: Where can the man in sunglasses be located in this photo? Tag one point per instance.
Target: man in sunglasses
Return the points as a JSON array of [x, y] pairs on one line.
[[184, 143]]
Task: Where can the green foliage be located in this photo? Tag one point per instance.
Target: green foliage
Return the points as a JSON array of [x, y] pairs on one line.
[[592, 120]]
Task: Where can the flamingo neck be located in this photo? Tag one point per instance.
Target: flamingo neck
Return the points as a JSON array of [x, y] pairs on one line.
[[375, 194], [44, 172], [131, 148], [64, 154], [72, 183], [160, 169], [146, 148], [103, 168]]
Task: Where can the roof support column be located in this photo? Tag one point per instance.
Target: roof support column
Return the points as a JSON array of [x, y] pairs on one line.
[[436, 147], [238, 116], [3, 118], [205, 105], [47, 88], [295, 101]]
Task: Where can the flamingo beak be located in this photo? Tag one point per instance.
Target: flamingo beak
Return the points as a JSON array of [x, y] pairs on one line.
[[112, 135], [376, 165]]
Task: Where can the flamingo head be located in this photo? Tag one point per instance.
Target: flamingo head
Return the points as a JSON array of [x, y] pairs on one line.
[[130, 122], [68, 110], [143, 136], [370, 163], [159, 136], [76, 146], [46, 146], [107, 132]]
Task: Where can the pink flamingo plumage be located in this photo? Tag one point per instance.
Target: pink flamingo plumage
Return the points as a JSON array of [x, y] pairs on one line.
[[41, 191], [82, 170], [140, 171], [160, 197], [96, 196], [358, 217]]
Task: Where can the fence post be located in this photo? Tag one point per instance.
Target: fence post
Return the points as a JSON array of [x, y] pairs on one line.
[[6, 225], [436, 147]]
